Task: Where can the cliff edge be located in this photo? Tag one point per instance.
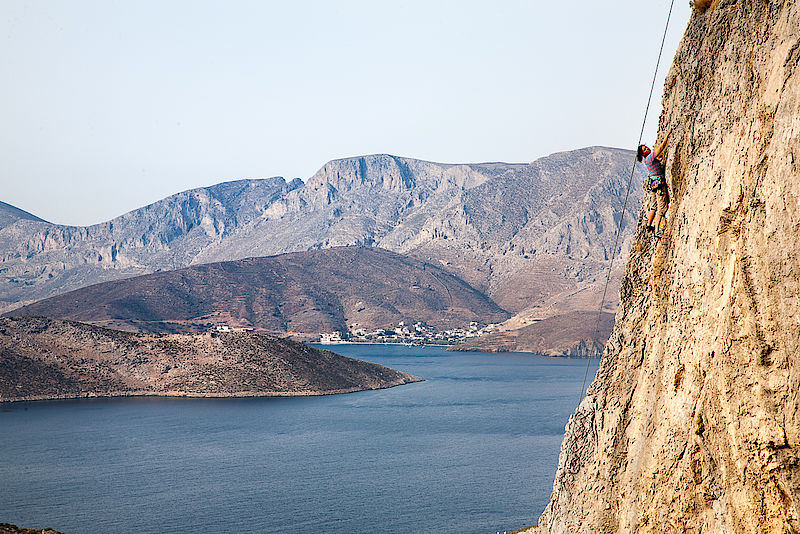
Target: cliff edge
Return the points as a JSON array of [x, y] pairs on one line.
[[691, 424]]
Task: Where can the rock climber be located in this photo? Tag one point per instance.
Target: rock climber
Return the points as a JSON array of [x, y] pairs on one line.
[[656, 183]]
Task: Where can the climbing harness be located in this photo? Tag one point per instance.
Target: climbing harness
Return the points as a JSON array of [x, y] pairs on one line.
[[655, 182], [625, 205]]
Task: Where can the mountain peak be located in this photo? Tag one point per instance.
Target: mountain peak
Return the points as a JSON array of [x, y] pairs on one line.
[[379, 170]]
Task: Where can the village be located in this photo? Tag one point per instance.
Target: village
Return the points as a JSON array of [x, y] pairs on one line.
[[418, 333]]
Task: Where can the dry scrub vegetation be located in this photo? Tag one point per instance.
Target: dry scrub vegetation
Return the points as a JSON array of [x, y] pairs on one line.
[[702, 5]]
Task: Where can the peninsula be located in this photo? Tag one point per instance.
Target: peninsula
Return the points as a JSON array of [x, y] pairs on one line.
[[44, 358]]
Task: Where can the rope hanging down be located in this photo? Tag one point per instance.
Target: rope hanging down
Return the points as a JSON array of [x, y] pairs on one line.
[[625, 204]]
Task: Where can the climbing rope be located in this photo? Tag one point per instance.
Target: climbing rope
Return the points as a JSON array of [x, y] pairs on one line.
[[625, 205]]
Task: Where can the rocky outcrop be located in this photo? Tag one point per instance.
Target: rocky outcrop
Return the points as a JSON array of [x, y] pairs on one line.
[[50, 359], [692, 422], [8, 528]]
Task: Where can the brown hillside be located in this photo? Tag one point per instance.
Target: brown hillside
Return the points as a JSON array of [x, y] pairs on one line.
[[49, 359], [306, 292]]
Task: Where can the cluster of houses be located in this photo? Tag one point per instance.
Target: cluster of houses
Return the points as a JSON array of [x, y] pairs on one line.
[[226, 328], [417, 334]]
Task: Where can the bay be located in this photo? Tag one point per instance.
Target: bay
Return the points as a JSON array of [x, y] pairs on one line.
[[473, 449]]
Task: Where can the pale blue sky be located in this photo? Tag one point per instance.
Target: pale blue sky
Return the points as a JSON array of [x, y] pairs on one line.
[[109, 105]]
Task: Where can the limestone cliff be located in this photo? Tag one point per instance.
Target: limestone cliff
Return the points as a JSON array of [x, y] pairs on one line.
[[692, 422]]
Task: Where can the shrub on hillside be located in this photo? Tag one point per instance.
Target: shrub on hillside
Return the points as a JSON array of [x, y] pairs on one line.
[[702, 5]]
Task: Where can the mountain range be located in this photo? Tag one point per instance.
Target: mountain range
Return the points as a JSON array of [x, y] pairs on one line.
[[535, 238]]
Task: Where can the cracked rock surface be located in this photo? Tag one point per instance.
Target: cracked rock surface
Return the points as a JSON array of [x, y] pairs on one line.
[[692, 423]]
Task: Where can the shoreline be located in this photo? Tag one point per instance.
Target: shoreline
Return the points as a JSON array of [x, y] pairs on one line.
[[455, 348], [381, 343], [187, 395]]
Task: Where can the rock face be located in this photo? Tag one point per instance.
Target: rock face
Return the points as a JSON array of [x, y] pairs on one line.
[[525, 234], [300, 293], [49, 359], [692, 422]]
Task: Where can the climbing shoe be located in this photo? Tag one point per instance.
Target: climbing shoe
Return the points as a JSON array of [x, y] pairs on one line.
[[651, 228], [657, 235]]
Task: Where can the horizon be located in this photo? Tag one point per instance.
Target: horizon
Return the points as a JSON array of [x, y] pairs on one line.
[[113, 107]]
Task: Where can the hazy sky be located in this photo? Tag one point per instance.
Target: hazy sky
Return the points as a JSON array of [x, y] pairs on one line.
[[107, 106]]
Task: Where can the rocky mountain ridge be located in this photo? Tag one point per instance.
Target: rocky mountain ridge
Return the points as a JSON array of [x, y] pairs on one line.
[[40, 259], [692, 423], [10, 214]]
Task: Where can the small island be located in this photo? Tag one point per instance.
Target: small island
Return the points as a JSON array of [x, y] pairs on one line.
[[43, 358]]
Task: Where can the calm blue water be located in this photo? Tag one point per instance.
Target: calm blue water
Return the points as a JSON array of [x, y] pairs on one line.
[[472, 449]]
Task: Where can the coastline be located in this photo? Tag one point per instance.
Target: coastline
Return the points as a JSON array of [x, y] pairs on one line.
[[189, 395], [46, 359], [381, 343]]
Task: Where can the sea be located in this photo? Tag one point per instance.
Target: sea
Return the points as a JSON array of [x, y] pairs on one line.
[[472, 449]]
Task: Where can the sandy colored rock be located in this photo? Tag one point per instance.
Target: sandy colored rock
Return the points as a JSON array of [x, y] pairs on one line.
[[692, 423]]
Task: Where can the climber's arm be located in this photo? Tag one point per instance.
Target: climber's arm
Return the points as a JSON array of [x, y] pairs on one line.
[[660, 148]]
